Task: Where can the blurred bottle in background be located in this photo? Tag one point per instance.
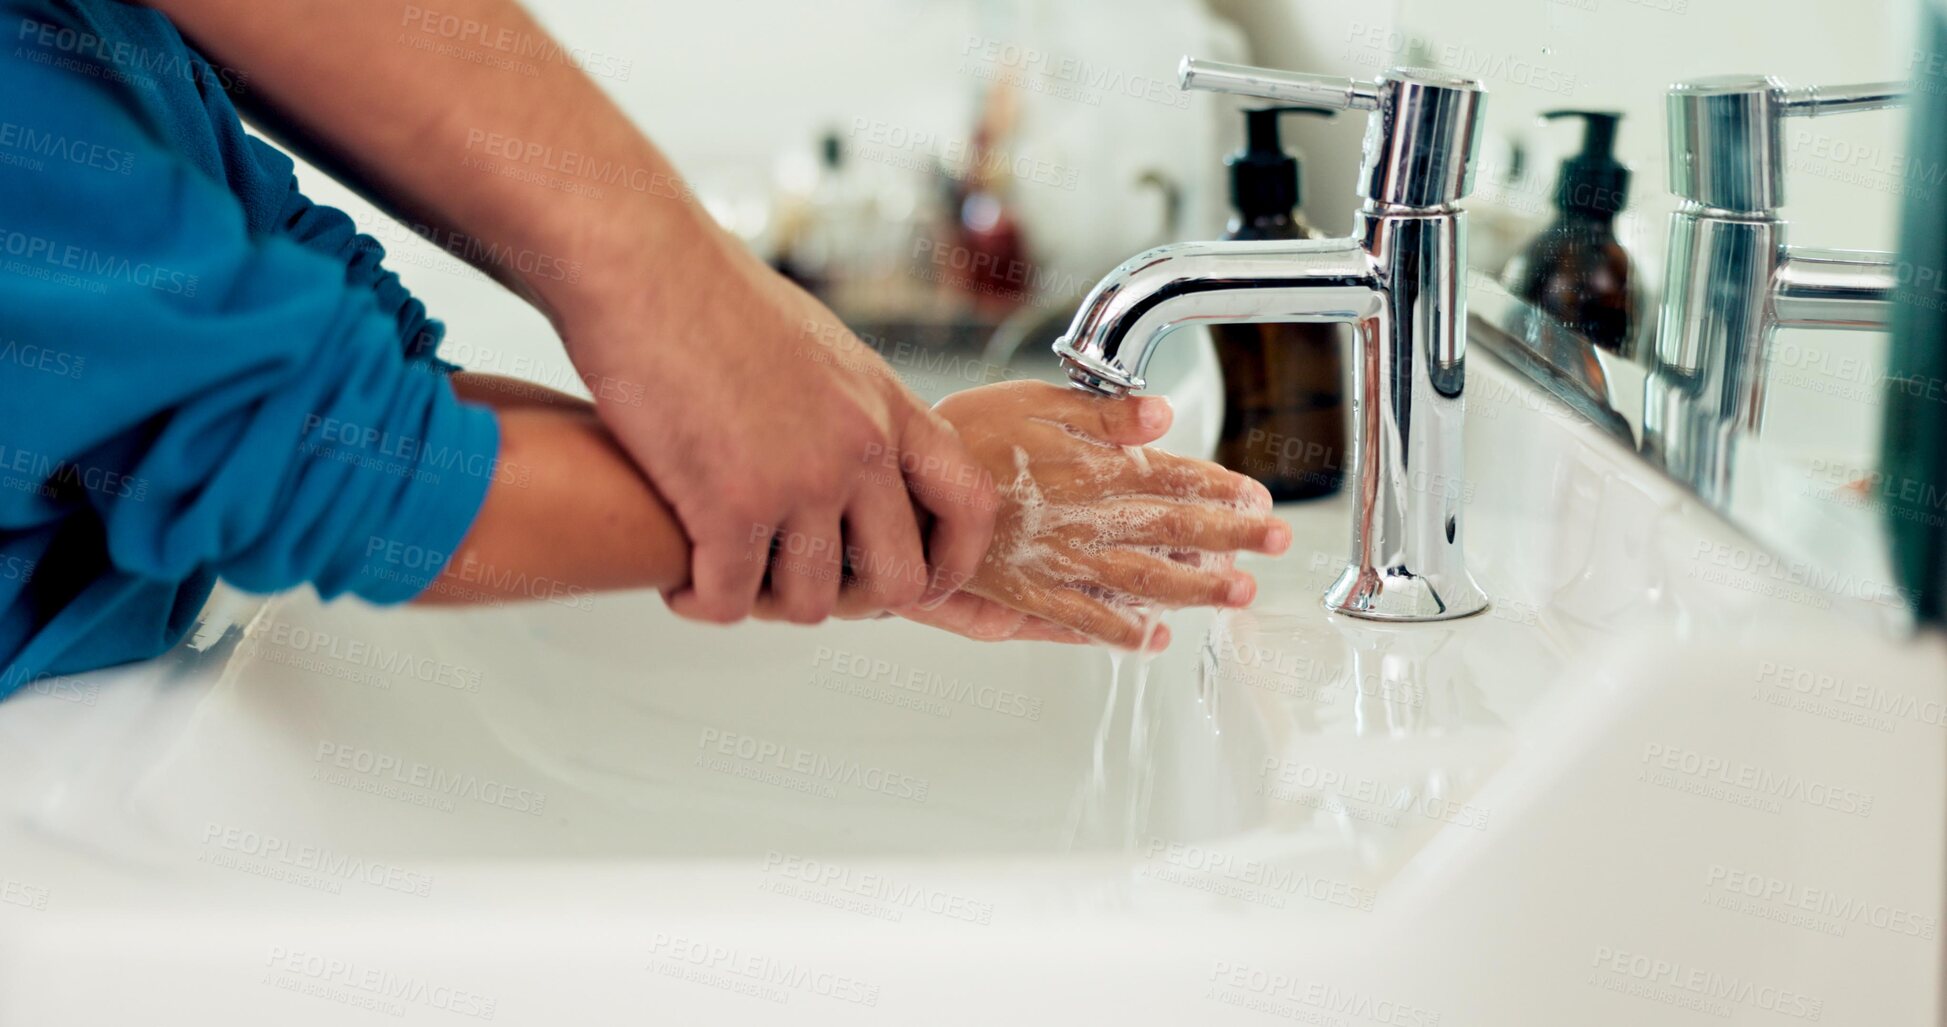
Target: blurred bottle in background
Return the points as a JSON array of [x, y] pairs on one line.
[[1284, 393], [1576, 271]]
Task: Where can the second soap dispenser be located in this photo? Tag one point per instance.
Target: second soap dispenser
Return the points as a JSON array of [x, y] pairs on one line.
[[1284, 396], [1576, 271]]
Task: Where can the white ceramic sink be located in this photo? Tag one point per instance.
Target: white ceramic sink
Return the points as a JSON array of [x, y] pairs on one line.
[[1667, 779]]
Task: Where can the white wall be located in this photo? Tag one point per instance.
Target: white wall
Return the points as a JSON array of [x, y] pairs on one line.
[[728, 89]]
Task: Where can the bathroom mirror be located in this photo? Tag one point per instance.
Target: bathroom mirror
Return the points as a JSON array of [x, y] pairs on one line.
[[1581, 277]]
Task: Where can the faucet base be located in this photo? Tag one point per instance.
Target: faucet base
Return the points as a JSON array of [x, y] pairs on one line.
[[1396, 594]]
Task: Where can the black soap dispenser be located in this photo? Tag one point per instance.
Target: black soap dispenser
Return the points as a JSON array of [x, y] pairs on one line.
[[1576, 271], [1284, 396]]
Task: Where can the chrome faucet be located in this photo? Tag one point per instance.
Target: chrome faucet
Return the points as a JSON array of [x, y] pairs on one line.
[[1731, 280], [1398, 280]]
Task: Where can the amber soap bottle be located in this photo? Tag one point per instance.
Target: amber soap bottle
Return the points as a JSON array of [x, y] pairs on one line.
[[1284, 391], [1576, 271]]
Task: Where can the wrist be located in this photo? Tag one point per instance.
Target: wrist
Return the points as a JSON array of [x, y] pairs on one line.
[[633, 268]]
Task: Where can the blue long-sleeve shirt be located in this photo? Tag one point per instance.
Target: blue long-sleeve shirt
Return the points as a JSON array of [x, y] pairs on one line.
[[203, 374]]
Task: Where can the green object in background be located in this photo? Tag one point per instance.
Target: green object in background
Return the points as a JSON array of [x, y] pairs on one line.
[[1913, 482]]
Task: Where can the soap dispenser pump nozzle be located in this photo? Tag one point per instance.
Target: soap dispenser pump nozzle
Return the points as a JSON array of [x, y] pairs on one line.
[[1593, 181], [1264, 179]]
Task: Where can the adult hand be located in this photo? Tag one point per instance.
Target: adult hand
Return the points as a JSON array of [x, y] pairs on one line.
[[756, 414], [700, 358]]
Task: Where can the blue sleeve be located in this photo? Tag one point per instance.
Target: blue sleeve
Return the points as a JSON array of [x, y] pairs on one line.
[[243, 406], [332, 232]]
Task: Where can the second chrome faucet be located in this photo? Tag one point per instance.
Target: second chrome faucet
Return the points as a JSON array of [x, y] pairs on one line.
[[1399, 280], [1731, 279]]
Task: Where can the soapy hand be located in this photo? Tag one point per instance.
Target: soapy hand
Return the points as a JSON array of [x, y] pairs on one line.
[[1092, 531]]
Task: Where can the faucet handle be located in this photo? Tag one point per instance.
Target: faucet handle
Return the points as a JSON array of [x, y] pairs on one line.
[[1420, 142], [1812, 101], [1343, 94], [1724, 133]]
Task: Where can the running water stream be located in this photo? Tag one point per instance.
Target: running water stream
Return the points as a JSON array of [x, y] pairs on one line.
[[1112, 803]]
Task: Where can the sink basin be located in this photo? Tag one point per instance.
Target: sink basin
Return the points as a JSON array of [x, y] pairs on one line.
[[1666, 778]]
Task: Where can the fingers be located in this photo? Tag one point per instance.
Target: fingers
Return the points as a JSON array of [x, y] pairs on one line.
[[1040, 629], [984, 620], [888, 565], [1089, 616], [1165, 582], [1167, 474], [1126, 421], [726, 569], [806, 568], [1193, 526], [966, 614], [944, 479]]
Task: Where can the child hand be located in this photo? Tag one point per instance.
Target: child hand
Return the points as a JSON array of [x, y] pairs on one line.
[[1089, 533]]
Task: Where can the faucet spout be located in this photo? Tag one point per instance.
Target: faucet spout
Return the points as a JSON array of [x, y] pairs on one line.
[[1109, 345], [1397, 281], [1834, 289]]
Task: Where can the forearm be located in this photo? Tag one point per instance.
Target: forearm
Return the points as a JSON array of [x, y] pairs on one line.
[[504, 393], [427, 136], [576, 518]]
